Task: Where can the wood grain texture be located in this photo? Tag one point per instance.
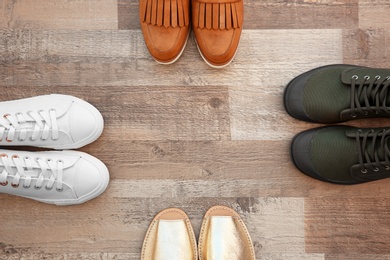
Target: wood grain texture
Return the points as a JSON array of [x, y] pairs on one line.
[[150, 113], [336, 229], [74, 58], [60, 14], [190, 136], [374, 14], [276, 14], [369, 47]]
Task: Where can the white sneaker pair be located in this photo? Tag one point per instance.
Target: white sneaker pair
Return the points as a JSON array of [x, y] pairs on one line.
[[56, 177]]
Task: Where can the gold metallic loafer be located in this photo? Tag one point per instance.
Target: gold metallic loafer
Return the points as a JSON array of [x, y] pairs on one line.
[[224, 236], [165, 26], [170, 237]]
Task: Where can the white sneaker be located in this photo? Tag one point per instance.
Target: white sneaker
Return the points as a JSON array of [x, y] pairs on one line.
[[55, 177], [50, 121]]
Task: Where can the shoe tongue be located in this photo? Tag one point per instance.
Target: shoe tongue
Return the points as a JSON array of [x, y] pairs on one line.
[[361, 72]]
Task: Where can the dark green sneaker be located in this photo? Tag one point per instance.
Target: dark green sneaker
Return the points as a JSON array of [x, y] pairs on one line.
[[343, 154], [338, 93]]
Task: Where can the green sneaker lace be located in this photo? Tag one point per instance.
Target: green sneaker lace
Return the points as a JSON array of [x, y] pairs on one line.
[[369, 96], [376, 155]]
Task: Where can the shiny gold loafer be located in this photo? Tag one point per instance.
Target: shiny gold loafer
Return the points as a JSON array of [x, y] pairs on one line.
[[224, 236], [170, 237], [165, 26], [217, 25]]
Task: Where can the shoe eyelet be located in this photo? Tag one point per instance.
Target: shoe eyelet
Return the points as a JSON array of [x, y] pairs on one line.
[[14, 185], [48, 189], [60, 190], [388, 78], [364, 171], [60, 161], [377, 77], [4, 183], [4, 155], [353, 116], [36, 159], [37, 188], [9, 141], [376, 169], [387, 168], [355, 77], [5, 115], [26, 187], [15, 156], [366, 77]]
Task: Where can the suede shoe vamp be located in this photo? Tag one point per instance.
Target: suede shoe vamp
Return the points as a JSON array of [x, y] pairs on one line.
[[217, 25]]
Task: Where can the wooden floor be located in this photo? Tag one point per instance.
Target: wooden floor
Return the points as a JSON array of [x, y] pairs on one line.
[[190, 136]]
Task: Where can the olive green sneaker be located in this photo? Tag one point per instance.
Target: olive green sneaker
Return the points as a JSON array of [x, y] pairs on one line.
[[337, 93], [343, 154]]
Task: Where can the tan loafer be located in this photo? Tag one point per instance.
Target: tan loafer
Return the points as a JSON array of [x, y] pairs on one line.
[[165, 25], [217, 26], [224, 236], [170, 237]]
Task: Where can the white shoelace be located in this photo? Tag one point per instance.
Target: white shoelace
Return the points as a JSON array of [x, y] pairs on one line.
[[45, 122], [26, 169]]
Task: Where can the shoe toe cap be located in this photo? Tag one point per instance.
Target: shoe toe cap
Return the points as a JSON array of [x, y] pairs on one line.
[[165, 44], [91, 180], [300, 153], [218, 48], [86, 123], [293, 98]]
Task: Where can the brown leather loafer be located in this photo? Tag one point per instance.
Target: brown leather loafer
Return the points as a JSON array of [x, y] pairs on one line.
[[165, 25], [217, 26]]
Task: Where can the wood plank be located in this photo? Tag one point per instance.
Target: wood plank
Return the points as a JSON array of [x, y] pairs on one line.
[[374, 14], [337, 225], [296, 185], [297, 14], [149, 113], [69, 58], [300, 14], [370, 47], [356, 256], [6, 7], [75, 256], [128, 15], [257, 111], [118, 225], [60, 14]]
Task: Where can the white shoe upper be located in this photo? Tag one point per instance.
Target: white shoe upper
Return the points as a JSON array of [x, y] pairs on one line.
[[50, 121], [56, 177]]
